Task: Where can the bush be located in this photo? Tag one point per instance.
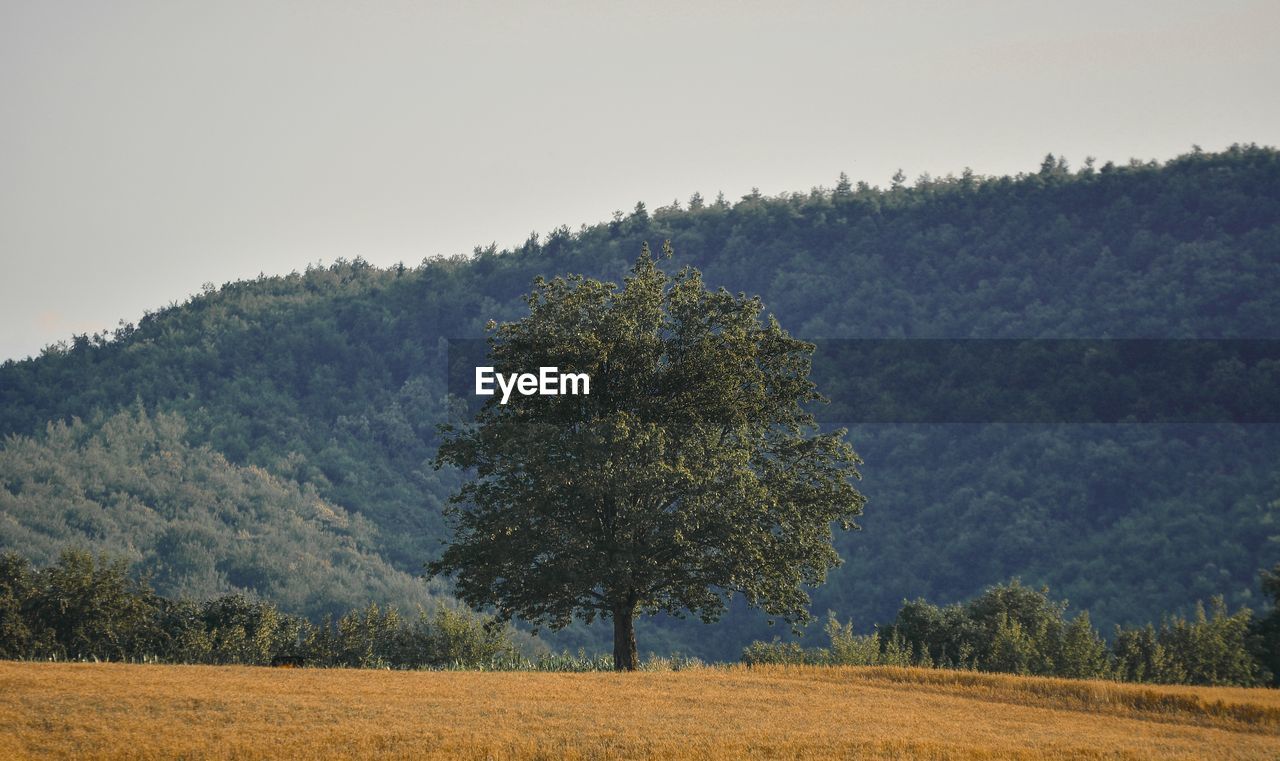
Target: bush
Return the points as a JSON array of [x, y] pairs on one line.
[[778, 653], [449, 637], [847, 648]]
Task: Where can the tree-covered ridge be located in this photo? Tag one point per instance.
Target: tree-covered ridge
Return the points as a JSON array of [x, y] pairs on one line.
[[334, 377], [199, 526]]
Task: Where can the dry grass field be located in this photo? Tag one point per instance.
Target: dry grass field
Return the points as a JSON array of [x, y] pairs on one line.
[[150, 712]]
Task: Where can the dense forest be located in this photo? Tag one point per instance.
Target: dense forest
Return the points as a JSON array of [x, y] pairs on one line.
[[198, 525], [275, 436]]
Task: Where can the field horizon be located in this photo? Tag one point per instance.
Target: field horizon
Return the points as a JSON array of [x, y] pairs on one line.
[[113, 710]]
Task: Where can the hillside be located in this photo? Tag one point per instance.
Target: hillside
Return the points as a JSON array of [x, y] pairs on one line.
[[331, 381], [144, 712], [198, 525]]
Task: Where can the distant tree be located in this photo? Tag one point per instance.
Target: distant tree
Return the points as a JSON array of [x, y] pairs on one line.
[[1019, 625], [84, 608], [243, 630], [691, 472], [1013, 649], [1084, 654], [947, 636], [1213, 647], [1139, 656], [15, 592], [452, 637], [844, 188], [1267, 629]]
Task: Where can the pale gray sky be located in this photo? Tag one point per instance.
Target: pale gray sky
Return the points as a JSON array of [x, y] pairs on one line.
[[148, 147]]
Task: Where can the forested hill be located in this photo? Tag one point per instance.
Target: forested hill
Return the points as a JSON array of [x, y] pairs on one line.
[[333, 379]]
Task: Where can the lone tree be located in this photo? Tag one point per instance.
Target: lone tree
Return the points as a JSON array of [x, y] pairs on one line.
[[689, 473]]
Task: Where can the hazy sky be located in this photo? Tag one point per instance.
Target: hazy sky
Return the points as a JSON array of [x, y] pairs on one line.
[[149, 147]]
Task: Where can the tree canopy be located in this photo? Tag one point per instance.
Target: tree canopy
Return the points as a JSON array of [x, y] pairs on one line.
[[691, 472]]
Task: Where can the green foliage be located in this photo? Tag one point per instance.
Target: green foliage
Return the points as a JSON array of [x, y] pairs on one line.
[[331, 380], [452, 636], [1213, 648], [241, 630], [369, 639], [779, 653], [848, 648], [1020, 629], [1017, 630], [1140, 656], [845, 648], [1013, 650], [1084, 653], [129, 485], [1267, 629], [87, 608], [16, 588], [376, 637], [943, 636], [690, 473], [82, 608]]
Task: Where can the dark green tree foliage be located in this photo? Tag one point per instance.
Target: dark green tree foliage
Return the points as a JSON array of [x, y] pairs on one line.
[[82, 608], [1267, 632], [1009, 627], [1212, 648], [15, 592], [691, 471], [86, 608], [1141, 656], [243, 630], [1014, 629], [1084, 653]]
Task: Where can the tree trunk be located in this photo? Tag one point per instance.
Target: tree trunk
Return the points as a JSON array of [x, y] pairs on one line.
[[624, 638]]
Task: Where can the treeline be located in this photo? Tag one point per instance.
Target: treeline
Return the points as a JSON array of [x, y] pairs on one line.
[[85, 608], [1015, 629], [82, 608]]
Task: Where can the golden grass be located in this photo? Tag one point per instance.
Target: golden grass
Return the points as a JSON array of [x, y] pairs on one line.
[[146, 712]]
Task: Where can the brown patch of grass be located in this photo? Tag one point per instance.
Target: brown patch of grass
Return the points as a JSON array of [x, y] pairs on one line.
[[1228, 707], [146, 712]]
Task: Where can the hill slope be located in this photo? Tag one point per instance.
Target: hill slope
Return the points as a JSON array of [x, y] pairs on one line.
[[334, 378], [200, 526]]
